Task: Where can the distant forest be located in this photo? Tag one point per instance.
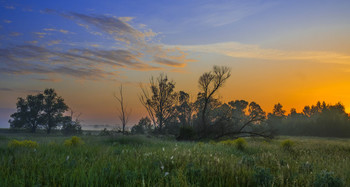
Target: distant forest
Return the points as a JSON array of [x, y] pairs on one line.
[[172, 112]]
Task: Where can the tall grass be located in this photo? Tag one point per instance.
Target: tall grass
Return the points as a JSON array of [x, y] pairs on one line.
[[142, 161]]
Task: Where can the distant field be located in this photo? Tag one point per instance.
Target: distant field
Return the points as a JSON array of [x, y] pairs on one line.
[[142, 161]]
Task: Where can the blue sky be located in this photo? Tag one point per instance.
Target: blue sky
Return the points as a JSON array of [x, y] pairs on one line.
[[76, 46]]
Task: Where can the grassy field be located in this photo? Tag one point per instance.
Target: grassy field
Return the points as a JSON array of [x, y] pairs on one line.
[[142, 161]]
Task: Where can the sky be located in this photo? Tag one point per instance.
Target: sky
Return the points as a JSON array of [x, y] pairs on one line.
[[292, 52]]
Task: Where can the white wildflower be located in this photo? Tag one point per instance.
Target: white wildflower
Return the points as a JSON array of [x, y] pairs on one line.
[[163, 149], [161, 166], [67, 157], [171, 157], [166, 173]]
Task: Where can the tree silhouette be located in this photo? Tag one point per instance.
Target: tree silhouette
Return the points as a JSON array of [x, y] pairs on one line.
[[53, 109], [209, 83], [160, 104], [29, 113], [124, 113], [41, 110]]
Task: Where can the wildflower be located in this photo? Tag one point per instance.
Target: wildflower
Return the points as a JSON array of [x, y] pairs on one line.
[[166, 173], [161, 166], [67, 157], [171, 157], [163, 149]]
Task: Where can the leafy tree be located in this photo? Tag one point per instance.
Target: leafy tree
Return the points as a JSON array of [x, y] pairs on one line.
[[144, 126], [29, 113], [278, 111], [41, 110], [53, 109], [184, 109], [209, 83], [160, 104]]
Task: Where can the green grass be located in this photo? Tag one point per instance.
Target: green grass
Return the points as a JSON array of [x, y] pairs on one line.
[[142, 161]]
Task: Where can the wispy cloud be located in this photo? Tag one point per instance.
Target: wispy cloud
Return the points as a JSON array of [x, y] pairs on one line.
[[54, 42], [14, 34], [58, 30], [49, 80], [78, 63], [239, 50], [133, 39], [136, 50], [6, 89], [10, 7], [7, 21], [32, 42]]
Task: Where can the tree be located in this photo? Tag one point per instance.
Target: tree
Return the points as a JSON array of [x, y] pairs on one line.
[[124, 113], [70, 126], [41, 110], [53, 109], [184, 109], [159, 106], [278, 111], [144, 126], [209, 83], [244, 120], [29, 113]]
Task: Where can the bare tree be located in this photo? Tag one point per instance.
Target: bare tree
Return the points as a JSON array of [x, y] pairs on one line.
[[123, 111], [209, 83], [160, 104]]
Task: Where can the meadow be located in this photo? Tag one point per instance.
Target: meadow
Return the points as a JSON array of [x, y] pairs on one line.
[[148, 161]]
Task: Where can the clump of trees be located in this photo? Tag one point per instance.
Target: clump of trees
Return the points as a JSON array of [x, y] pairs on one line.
[[317, 120], [44, 111], [172, 112]]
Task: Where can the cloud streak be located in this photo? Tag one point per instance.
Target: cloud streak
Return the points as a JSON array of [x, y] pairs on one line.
[[136, 51], [78, 63], [239, 50]]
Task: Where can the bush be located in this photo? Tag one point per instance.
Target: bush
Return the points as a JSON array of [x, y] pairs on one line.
[[239, 143], [74, 141], [71, 128], [186, 133], [327, 178], [24, 143], [287, 145], [105, 132]]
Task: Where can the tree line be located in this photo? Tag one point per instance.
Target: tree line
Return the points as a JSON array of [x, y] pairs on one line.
[[204, 117]]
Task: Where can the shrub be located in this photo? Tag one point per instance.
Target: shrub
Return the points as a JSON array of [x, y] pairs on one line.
[[105, 132], [24, 143], [239, 143], [287, 145], [186, 133], [74, 141], [327, 178]]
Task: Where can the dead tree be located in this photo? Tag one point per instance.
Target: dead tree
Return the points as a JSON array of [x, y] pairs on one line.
[[123, 111]]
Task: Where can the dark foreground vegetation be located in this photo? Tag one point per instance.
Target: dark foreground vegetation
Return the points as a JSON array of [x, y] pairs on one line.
[[142, 161]]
